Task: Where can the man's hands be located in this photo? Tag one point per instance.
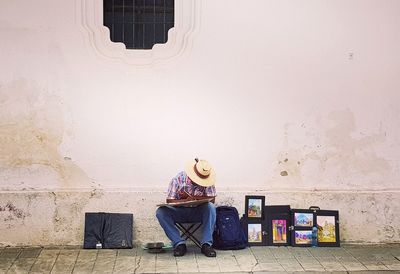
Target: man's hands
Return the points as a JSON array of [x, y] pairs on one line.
[[185, 196]]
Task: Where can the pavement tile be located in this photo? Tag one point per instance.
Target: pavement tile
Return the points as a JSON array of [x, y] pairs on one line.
[[282, 252], [21, 266], [228, 264], [11, 253], [30, 253], [65, 261], [246, 263], [165, 263], [43, 265], [146, 263], [83, 267], [268, 267], [393, 267], [127, 252], [87, 254], [292, 267], [354, 266], [5, 264], [348, 260], [104, 264], [225, 254], [49, 254], [375, 266], [312, 267], [266, 260], [85, 261], [107, 253], [206, 264], [186, 263]]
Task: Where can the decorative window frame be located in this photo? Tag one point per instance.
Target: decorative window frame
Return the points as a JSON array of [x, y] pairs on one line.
[[89, 17]]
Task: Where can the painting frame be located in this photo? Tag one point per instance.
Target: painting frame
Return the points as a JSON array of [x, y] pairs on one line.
[[328, 236], [303, 218], [278, 223], [258, 229], [303, 221], [301, 237], [254, 207]]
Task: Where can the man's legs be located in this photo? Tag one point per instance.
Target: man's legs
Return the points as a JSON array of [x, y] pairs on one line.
[[204, 213], [167, 217]]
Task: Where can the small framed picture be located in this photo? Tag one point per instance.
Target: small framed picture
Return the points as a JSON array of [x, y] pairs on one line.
[[255, 232], [302, 238], [278, 224], [279, 231], [303, 218], [254, 207], [328, 227]]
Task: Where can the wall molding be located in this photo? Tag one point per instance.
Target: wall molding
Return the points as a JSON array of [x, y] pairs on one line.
[[89, 18]]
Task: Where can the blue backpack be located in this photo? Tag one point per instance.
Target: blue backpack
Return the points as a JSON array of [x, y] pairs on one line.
[[228, 232]]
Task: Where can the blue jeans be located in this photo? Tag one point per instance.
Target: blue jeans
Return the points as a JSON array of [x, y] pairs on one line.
[[204, 213]]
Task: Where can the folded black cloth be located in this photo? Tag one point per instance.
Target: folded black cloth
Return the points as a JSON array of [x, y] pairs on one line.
[[108, 230]]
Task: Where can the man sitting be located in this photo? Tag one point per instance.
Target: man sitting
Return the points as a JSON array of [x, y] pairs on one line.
[[196, 182]]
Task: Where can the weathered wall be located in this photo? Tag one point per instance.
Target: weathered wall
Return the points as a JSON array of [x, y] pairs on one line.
[[297, 99], [57, 218]]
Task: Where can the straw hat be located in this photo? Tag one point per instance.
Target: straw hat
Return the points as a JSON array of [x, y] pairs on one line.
[[200, 172]]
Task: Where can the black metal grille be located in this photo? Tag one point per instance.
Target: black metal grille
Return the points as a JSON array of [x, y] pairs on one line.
[[139, 24]]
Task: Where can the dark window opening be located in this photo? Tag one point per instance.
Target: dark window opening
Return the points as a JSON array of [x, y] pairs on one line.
[[139, 24]]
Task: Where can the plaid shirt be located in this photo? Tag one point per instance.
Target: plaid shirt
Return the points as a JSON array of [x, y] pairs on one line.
[[182, 182]]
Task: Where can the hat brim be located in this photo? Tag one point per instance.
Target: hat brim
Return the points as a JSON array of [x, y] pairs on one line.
[[209, 181]]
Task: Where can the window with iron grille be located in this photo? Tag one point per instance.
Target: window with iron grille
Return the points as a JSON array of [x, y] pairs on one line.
[[139, 24]]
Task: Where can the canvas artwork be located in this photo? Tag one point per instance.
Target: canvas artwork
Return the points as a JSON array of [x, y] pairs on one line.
[[254, 232], [279, 231], [326, 229], [254, 208], [303, 237], [303, 219]]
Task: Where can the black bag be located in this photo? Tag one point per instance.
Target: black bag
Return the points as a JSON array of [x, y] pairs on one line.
[[228, 232], [108, 230]]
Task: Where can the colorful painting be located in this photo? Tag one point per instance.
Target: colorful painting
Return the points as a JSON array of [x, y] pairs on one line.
[[326, 229], [303, 219], [279, 232], [303, 237], [254, 208], [254, 232]]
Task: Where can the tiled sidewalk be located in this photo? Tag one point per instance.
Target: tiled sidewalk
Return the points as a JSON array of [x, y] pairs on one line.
[[347, 259]]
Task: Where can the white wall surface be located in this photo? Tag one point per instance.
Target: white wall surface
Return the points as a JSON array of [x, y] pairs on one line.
[[277, 95]]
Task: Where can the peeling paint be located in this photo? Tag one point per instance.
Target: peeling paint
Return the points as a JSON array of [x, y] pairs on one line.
[[12, 216], [389, 232], [31, 131], [329, 152], [353, 153]]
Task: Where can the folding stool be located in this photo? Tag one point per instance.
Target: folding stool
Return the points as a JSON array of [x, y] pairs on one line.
[[187, 231]]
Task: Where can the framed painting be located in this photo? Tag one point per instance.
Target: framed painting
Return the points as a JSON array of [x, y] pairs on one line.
[[255, 232], [302, 237], [278, 224], [302, 218], [254, 207], [328, 227]]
